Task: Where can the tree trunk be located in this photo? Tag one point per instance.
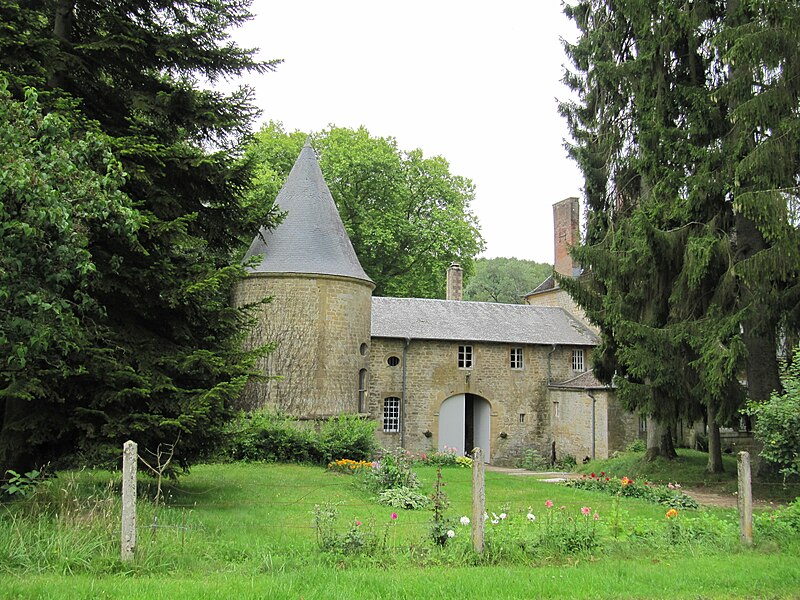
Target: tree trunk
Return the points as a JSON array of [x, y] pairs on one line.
[[62, 31], [659, 441], [714, 445]]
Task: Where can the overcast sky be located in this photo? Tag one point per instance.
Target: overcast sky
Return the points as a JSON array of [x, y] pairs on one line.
[[473, 81]]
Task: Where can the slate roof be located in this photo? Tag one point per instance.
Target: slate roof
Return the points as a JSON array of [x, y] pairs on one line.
[[418, 318], [311, 239], [583, 381], [547, 285]]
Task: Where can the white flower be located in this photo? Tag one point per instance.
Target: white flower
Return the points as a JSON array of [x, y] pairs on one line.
[[531, 517], [503, 516], [485, 516], [451, 533], [465, 520], [495, 521]]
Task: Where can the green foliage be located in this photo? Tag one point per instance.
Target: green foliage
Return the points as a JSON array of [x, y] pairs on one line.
[[393, 470], [357, 540], [407, 216], [668, 495], [448, 457], [685, 128], [22, 485], [403, 497], [505, 280], [347, 436], [636, 445], [777, 421], [269, 436], [441, 526], [132, 333], [532, 460]]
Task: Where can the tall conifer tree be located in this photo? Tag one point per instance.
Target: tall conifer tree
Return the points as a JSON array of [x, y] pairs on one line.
[[652, 128], [165, 361]]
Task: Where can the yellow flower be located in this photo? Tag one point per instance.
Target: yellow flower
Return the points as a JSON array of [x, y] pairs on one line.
[[626, 481], [672, 513]]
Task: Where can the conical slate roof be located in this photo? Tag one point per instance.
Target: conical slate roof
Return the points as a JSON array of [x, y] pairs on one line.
[[311, 239]]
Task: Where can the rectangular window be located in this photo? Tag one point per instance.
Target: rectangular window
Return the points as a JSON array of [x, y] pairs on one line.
[[391, 414], [362, 390], [516, 358], [577, 360], [555, 410], [465, 357]]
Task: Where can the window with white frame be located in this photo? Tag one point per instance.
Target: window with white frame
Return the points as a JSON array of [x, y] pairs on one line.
[[391, 414], [465, 357], [577, 361], [516, 358]]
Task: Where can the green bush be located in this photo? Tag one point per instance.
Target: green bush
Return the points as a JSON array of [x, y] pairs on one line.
[[777, 421], [403, 497], [347, 436], [275, 437], [393, 470]]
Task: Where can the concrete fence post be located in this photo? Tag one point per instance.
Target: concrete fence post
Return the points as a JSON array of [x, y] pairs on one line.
[[130, 457], [745, 499], [478, 499]]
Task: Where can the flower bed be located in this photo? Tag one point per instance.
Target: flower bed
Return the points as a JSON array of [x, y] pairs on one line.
[[668, 495]]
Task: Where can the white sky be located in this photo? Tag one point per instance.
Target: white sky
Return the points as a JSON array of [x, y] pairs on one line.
[[473, 81]]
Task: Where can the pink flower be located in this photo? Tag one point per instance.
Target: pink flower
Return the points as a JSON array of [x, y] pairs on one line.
[[549, 504], [586, 510], [394, 516], [596, 517], [358, 522]]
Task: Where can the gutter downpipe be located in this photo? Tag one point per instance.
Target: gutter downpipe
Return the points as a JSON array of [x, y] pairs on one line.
[[549, 354], [403, 397], [594, 401]]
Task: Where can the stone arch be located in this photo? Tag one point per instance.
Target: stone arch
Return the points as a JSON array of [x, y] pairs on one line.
[[465, 421]]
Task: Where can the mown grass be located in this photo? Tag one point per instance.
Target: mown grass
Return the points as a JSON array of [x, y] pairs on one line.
[[244, 531]]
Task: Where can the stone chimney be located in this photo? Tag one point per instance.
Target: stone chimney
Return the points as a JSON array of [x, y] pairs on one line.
[[566, 233], [455, 276]]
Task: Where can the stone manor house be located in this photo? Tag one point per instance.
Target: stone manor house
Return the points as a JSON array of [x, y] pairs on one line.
[[432, 373]]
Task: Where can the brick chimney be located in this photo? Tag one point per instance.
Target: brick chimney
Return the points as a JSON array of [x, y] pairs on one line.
[[566, 233], [455, 276]]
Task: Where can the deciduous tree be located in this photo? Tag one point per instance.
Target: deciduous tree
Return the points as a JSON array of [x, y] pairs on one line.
[[407, 216]]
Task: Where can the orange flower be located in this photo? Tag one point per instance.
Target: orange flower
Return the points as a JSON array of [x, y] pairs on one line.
[[626, 481], [672, 513]]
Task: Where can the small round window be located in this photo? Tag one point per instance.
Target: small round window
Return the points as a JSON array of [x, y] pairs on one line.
[[363, 349], [393, 361]]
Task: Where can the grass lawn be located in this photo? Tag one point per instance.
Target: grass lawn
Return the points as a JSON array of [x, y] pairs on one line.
[[245, 531]]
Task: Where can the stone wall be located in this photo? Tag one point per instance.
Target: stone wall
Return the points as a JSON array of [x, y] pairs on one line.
[[571, 415], [432, 376], [321, 325], [561, 299]]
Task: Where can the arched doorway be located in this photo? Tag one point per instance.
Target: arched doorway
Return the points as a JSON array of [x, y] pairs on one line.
[[465, 423]]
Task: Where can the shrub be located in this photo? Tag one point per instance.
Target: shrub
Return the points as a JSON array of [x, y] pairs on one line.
[[777, 421], [636, 446], [403, 497], [347, 436], [532, 460], [271, 436], [392, 471]]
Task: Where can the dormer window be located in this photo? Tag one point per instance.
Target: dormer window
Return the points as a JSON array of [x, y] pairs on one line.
[[577, 361]]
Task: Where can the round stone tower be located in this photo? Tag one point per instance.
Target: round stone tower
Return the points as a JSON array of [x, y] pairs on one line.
[[319, 315]]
